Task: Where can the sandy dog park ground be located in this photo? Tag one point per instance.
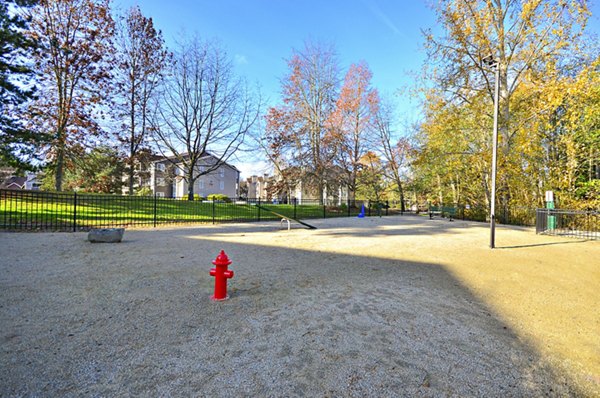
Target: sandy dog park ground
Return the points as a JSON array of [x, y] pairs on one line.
[[391, 306]]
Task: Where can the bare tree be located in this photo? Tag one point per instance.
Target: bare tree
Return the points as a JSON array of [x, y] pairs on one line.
[[72, 61], [300, 128], [141, 58], [202, 107], [395, 153], [353, 119]]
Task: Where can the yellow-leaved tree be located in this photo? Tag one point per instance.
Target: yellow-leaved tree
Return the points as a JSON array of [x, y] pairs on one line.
[[536, 47]]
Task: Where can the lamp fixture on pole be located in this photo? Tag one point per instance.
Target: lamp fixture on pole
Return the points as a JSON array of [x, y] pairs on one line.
[[494, 63]]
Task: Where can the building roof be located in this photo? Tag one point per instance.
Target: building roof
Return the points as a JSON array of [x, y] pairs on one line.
[[14, 183], [173, 159]]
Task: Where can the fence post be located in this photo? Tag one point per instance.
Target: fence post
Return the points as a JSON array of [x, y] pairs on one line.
[[387, 206], [5, 200], [348, 207], [258, 213], [295, 202], [155, 210], [324, 209], [213, 210], [75, 212]]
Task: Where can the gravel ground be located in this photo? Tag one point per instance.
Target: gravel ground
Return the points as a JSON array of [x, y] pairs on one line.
[[392, 306]]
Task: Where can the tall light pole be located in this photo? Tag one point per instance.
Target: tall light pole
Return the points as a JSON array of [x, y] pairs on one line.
[[494, 63]]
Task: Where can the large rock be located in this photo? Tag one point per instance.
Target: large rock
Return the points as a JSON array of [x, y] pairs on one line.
[[106, 235]]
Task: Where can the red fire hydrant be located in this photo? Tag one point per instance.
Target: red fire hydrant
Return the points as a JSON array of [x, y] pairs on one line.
[[221, 274]]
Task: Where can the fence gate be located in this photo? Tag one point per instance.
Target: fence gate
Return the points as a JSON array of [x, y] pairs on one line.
[[571, 223]]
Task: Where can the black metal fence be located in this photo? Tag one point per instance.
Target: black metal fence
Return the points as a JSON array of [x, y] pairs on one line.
[[522, 216], [36, 210], [572, 223]]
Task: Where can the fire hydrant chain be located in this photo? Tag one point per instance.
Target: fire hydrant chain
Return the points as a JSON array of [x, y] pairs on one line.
[[221, 274]]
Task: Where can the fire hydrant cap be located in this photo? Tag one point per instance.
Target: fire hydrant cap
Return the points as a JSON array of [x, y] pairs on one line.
[[222, 259]]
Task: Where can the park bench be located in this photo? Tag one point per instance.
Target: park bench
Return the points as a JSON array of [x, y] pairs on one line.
[[442, 211]]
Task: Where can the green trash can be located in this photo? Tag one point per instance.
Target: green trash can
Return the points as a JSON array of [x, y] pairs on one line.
[[551, 218]]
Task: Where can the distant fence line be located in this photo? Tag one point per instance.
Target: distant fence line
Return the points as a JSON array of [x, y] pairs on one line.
[[37, 210], [516, 215], [52, 211], [570, 223]]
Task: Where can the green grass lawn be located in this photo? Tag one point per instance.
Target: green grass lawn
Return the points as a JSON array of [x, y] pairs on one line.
[[58, 211]]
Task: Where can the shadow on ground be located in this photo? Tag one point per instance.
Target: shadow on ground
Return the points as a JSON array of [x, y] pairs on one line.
[[408, 225], [543, 244], [135, 319]]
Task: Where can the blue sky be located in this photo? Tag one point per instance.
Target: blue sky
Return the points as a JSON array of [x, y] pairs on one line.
[[260, 35]]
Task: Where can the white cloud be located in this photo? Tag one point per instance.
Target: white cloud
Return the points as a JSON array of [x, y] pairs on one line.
[[251, 168], [241, 59]]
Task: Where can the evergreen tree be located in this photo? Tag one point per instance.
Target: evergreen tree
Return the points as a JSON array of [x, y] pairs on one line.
[[16, 141]]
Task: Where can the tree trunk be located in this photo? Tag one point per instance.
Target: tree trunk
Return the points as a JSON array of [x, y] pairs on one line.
[[440, 194], [190, 179], [131, 176], [591, 164], [352, 186], [504, 117], [321, 188], [132, 141], [456, 191], [402, 207], [415, 199], [486, 186], [60, 160], [401, 194], [400, 188]]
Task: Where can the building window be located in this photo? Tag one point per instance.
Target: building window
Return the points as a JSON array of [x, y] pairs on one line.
[[160, 194], [222, 185], [160, 166], [222, 171], [160, 182], [201, 184], [202, 169]]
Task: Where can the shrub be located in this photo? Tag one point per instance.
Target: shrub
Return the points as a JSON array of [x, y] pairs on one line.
[[218, 197], [198, 197], [144, 191]]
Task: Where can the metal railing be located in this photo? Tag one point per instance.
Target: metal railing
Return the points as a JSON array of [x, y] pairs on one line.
[[522, 216], [43, 211], [571, 223]]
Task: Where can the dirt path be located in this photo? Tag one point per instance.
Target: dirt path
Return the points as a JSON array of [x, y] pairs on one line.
[[392, 306]]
